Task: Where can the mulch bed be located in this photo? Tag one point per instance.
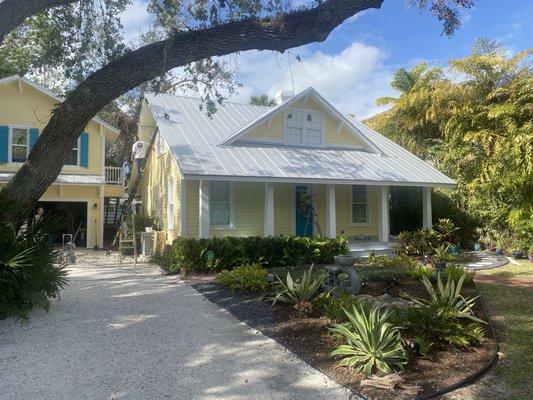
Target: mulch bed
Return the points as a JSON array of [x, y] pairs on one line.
[[309, 339]]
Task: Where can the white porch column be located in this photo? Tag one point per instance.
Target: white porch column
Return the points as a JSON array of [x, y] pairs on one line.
[[383, 214], [331, 227], [203, 220], [269, 209], [426, 208]]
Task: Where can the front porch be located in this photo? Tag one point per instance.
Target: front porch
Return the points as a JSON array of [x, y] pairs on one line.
[[232, 208]]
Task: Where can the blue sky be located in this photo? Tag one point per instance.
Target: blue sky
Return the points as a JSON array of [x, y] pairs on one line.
[[355, 64]]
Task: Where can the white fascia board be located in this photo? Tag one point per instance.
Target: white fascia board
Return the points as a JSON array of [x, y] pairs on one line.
[[313, 180]]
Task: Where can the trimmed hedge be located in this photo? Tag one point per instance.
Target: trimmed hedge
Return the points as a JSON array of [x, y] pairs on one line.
[[216, 254]]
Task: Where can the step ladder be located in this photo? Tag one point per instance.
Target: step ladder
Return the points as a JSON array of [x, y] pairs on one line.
[[125, 234], [127, 240]]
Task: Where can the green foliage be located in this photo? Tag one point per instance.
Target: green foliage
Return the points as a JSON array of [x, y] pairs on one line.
[[455, 272], [478, 131], [333, 307], [447, 317], [420, 242], [29, 272], [251, 278], [216, 254], [371, 342], [262, 100], [421, 271], [302, 294]]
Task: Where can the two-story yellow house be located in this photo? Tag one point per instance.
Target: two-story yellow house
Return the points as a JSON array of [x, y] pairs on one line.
[[301, 168], [86, 190]]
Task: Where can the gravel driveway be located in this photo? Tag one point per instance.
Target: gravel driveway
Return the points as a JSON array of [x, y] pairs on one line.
[[127, 332]]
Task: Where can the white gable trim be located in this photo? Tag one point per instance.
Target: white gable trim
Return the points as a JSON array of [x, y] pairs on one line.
[[305, 94]]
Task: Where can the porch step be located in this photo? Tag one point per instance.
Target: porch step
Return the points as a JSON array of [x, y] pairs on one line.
[[364, 249]]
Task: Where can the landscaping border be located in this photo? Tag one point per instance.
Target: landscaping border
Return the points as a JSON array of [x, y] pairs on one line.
[[261, 321]]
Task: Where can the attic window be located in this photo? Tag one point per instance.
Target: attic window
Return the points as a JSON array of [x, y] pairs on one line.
[[304, 128]]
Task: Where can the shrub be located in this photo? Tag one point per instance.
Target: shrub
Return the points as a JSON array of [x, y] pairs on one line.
[[447, 316], [302, 294], [455, 272], [421, 271], [333, 307], [371, 342], [29, 273], [217, 254], [384, 268], [250, 278]]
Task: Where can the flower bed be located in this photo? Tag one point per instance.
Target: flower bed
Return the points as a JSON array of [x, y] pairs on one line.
[[311, 338]]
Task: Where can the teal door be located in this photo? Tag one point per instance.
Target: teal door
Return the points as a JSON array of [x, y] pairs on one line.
[[303, 211]]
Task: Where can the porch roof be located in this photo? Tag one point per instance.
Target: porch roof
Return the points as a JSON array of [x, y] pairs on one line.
[[64, 179], [195, 141]]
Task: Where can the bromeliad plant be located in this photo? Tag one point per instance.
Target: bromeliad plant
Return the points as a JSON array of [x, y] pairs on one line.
[[251, 278], [371, 341], [301, 294]]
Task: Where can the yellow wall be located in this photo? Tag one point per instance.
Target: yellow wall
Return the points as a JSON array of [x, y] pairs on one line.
[[344, 212], [333, 137], [159, 168], [31, 108]]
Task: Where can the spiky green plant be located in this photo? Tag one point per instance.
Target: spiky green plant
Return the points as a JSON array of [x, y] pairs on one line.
[[447, 299], [371, 341], [301, 294]]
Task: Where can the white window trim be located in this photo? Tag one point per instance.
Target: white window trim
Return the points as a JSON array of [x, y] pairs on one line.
[[10, 142], [170, 204], [231, 224], [160, 145], [78, 156], [367, 223], [304, 111]]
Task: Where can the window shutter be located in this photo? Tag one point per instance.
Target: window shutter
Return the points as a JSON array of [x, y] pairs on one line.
[[84, 150], [4, 143], [34, 135]]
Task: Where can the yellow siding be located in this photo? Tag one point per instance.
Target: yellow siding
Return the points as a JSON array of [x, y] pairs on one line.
[[154, 188], [31, 108], [344, 212], [333, 137], [283, 208], [192, 208]]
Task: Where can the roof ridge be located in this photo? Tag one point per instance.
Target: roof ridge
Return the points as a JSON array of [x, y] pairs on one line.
[[198, 98]]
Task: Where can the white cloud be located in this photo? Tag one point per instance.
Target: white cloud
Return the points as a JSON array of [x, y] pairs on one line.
[[351, 79], [135, 20]]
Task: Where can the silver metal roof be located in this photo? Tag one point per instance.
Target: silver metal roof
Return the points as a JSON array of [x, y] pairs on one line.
[[198, 145]]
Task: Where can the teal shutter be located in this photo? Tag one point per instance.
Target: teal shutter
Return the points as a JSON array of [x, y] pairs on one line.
[[34, 135], [4, 143], [84, 150]]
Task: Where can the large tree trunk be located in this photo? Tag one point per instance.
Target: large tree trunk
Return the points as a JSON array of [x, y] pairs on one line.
[[14, 12], [103, 86]]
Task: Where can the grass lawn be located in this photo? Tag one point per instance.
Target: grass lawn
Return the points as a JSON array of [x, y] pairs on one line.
[[511, 309]]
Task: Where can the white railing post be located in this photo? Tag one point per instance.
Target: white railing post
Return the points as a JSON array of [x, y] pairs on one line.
[[114, 175]]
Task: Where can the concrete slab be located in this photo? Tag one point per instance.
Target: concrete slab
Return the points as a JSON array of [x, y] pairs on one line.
[[127, 332]]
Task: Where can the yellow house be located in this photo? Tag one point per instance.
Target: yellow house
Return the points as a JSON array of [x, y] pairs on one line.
[[300, 168], [86, 189]]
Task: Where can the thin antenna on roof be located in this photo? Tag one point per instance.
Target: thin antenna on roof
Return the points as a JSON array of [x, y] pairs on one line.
[[290, 71]]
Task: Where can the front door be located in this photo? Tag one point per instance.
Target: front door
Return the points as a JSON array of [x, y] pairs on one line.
[[303, 211]]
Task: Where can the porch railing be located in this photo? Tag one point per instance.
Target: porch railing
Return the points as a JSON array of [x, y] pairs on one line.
[[114, 175]]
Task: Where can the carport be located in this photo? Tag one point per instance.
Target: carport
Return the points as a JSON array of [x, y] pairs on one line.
[[75, 213]]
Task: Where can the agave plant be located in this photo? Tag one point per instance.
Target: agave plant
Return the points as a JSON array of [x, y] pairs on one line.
[[301, 294], [447, 300], [371, 342]]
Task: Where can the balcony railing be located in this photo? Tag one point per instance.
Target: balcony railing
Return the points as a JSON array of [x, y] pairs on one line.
[[114, 175]]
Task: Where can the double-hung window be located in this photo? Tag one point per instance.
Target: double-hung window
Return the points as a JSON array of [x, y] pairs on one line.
[[359, 204], [19, 144], [220, 209], [73, 155], [304, 128], [170, 205]]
